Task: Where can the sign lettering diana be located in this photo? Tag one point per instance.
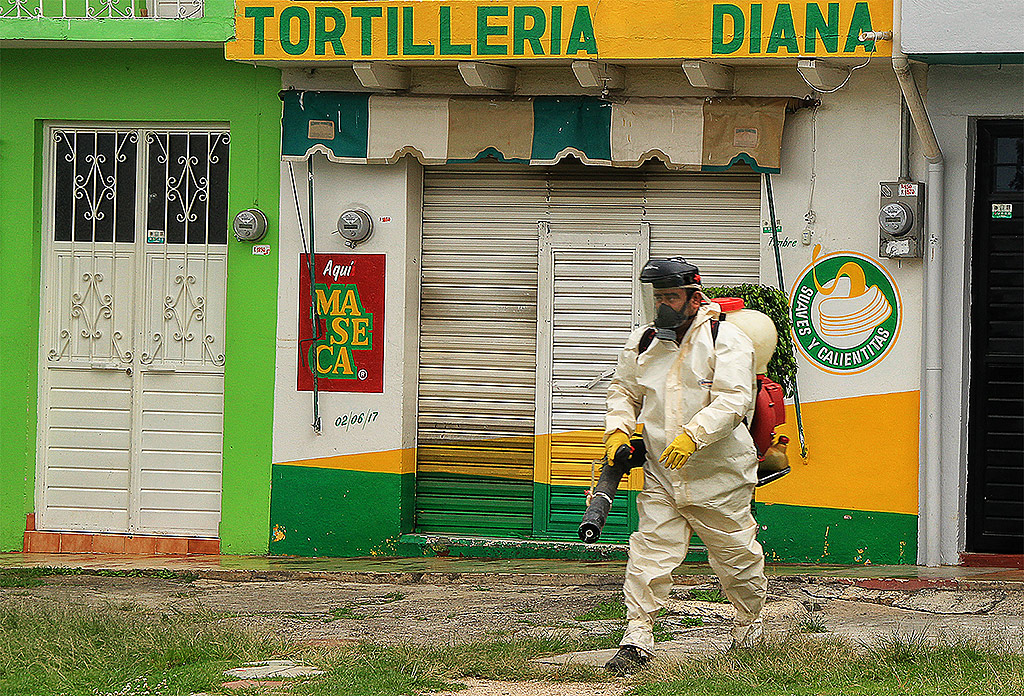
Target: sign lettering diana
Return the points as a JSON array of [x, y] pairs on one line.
[[313, 30]]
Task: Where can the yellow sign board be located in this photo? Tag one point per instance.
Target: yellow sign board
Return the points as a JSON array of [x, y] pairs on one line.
[[511, 30]]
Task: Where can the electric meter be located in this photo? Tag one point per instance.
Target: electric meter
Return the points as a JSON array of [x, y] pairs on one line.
[[900, 219], [249, 225], [355, 226], [896, 219]]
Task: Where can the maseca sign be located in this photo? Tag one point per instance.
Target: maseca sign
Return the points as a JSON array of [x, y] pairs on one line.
[[424, 30]]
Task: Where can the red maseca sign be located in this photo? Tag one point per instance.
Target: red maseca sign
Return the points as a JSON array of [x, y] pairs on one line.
[[347, 351]]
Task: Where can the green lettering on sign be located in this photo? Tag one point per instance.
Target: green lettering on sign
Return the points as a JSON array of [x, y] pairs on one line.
[[259, 19], [783, 31], [581, 36], [485, 30], [366, 16], [520, 34], [409, 47], [446, 47], [817, 26], [718, 15], [322, 36], [300, 45], [861, 22], [392, 31], [755, 28], [556, 30]]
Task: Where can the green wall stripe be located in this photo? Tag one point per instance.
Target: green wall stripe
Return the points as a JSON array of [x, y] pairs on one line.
[[796, 534], [584, 123], [350, 114], [333, 512], [172, 85]]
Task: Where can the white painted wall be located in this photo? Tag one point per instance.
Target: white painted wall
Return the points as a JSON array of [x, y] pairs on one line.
[[958, 95], [963, 26], [857, 145], [383, 191]]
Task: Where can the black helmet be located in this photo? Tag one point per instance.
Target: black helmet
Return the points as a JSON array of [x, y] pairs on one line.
[[670, 273]]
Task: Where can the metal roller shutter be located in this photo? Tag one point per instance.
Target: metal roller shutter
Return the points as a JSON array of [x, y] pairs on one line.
[[482, 353], [714, 220], [478, 318]]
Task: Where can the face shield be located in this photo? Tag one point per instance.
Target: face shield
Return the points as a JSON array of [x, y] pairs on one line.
[[667, 289]]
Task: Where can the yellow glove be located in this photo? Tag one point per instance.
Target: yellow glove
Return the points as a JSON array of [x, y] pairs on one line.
[[676, 454], [613, 442]]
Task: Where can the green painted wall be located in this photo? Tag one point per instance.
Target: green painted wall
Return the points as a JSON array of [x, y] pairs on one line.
[[331, 512], [135, 85]]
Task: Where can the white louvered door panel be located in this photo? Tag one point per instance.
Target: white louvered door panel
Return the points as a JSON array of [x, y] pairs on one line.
[[590, 303]]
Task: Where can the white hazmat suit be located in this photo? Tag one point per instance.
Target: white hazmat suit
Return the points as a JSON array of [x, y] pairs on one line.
[[704, 387]]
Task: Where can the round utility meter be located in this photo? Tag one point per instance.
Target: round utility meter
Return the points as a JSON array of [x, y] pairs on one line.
[[896, 218], [249, 225], [355, 226]]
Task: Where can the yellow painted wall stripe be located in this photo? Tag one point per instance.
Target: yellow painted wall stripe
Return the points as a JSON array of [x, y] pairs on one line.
[[399, 461], [862, 455]]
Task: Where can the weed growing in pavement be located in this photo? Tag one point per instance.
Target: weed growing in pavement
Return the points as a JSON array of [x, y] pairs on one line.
[[346, 612], [603, 612], [712, 595], [812, 623]]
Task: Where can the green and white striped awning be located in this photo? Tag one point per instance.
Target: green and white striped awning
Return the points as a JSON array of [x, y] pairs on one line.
[[693, 134]]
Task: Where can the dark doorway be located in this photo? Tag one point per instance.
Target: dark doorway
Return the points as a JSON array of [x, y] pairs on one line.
[[995, 456]]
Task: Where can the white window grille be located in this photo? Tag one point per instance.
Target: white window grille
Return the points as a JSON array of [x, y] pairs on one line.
[[105, 9]]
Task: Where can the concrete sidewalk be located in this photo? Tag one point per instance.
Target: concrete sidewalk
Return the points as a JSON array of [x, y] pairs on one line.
[[448, 570]]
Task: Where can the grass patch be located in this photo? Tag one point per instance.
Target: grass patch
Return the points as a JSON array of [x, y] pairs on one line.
[[799, 665], [393, 597], [346, 612], [408, 669], [34, 576], [78, 651], [713, 595], [603, 612], [812, 623]]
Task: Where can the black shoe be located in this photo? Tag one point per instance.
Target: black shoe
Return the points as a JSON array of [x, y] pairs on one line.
[[627, 660]]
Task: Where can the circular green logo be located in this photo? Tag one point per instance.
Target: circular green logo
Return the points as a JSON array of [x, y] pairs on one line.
[[846, 312]]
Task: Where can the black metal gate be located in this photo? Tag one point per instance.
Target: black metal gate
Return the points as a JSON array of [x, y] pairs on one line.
[[995, 460]]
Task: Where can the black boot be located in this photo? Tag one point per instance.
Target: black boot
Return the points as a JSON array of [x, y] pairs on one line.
[[627, 660]]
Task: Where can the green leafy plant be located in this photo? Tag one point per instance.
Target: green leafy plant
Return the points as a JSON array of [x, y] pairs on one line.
[[770, 301]]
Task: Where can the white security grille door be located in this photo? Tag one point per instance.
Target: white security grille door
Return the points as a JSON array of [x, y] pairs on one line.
[[131, 393]]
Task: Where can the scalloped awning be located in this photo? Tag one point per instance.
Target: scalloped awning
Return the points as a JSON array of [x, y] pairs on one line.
[[693, 134]]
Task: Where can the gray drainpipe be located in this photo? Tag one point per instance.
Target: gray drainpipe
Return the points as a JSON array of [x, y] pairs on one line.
[[932, 518]]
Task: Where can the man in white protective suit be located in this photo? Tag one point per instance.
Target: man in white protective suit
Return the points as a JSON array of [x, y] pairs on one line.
[[689, 380]]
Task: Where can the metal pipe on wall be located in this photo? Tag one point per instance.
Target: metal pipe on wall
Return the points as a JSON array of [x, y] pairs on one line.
[[930, 529]]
